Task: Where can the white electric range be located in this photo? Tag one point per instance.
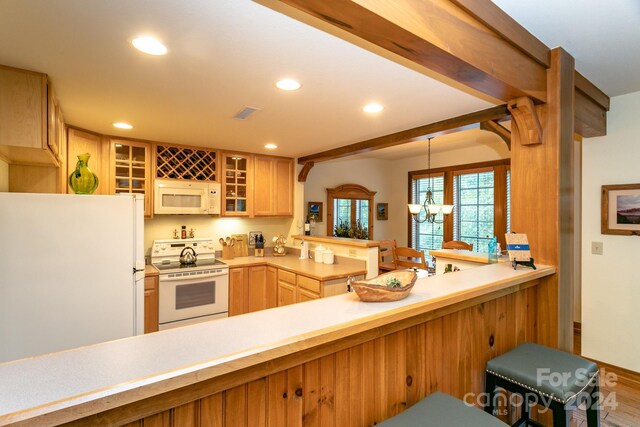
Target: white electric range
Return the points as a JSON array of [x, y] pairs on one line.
[[190, 293]]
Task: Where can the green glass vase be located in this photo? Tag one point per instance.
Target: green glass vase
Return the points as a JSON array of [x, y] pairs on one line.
[[82, 180]]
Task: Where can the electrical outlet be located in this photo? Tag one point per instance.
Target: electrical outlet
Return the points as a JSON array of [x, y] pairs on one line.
[[596, 248]]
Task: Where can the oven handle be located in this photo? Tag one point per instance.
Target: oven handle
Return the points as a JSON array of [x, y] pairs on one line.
[[197, 277]]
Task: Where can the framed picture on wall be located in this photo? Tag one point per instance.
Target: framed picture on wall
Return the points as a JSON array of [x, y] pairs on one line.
[[621, 209], [382, 211], [314, 211]]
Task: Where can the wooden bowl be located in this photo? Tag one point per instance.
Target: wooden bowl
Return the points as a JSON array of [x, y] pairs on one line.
[[376, 290]]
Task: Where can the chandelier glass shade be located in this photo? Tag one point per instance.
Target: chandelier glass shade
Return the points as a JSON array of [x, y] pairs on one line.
[[430, 207]]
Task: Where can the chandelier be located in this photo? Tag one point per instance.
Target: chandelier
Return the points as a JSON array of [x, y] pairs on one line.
[[430, 207]]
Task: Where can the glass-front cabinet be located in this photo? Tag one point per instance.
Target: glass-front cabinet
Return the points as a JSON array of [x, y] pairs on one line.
[[130, 169], [237, 185]]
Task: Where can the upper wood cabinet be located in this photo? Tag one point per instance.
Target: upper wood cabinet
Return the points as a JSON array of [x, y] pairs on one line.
[[79, 142], [273, 188], [130, 163], [237, 184], [24, 118]]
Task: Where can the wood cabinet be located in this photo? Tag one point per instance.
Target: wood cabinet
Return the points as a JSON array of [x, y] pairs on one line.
[[238, 291], [79, 142], [272, 287], [24, 118], [237, 185], [130, 169], [293, 288], [252, 289], [151, 319], [273, 188]]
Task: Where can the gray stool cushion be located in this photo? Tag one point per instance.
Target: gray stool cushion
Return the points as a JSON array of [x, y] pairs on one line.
[[442, 410], [550, 372]]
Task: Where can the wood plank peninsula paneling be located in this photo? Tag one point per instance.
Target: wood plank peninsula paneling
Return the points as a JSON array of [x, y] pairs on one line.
[[323, 362]]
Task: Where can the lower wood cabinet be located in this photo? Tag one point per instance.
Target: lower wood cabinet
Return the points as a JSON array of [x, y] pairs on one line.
[[262, 286], [150, 304], [293, 288], [252, 289]]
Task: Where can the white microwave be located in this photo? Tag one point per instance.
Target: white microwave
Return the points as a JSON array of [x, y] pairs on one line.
[[186, 197]]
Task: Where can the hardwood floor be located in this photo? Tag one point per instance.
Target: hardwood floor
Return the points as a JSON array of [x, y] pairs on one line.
[[625, 392]]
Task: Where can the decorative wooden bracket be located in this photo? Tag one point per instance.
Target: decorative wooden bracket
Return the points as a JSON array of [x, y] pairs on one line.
[[526, 119], [498, 129], [302, 177]]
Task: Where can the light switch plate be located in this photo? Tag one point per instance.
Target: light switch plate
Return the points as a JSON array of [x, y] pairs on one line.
[[596, 248]]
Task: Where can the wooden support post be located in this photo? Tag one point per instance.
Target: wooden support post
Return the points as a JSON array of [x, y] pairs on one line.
[[542, 200]]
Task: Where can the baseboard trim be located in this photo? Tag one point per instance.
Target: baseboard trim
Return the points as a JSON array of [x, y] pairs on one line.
[[577, 327]]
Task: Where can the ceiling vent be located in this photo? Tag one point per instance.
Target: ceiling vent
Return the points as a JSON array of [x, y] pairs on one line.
[[245, 113]]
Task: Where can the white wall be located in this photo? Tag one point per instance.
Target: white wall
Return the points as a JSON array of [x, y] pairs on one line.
[[370, 173], [400, 180], [611, 282], [4, 176], [389, 178], [162, 226]]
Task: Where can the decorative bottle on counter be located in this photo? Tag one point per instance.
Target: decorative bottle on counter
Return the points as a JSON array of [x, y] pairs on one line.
[[307, 227], [184, 231], [82, 180]]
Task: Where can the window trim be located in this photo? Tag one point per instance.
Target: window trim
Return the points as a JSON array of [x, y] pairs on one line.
[[499, 168], [349, 191]]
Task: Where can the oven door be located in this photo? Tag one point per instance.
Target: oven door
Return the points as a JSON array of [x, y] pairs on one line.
[[193, 294]]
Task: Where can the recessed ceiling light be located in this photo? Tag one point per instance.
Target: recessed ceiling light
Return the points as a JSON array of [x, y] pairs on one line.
[[122, 125], [288, 84], [373, 107], [270, 146], [150, 45]]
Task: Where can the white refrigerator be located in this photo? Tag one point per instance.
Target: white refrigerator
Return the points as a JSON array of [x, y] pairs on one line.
[[71, 271]]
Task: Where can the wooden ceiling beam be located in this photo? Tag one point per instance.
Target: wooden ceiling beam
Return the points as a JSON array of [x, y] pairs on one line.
[[472, 42], [467, 121], [438, 35], [495, 127]]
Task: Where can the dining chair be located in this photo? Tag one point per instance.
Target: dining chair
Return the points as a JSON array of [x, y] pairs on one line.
[[409, 258], [457, 244], [386, 262]]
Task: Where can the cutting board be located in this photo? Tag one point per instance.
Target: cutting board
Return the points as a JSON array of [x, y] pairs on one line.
[[242, 244]]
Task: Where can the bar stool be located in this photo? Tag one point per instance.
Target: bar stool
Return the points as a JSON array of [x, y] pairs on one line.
[[441, 410], [555, 379]]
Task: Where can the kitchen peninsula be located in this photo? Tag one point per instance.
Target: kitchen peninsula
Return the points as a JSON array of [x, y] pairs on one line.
[[462, 259], [332, 359]]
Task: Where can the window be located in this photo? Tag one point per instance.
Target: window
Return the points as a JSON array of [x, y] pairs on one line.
[[481, 196], [473, 209], [428, 235], [350, 205]]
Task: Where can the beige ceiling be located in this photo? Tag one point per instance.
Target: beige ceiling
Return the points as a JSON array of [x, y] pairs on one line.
[[603, 36], [223, 55]]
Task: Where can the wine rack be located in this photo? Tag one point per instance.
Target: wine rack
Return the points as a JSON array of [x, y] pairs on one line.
[[185, 163]]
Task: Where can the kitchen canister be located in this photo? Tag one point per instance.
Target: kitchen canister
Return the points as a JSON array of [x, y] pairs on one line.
[[318, 254], [327, 256]]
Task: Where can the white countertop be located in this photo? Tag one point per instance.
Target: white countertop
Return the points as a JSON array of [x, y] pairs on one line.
[[137, 367]]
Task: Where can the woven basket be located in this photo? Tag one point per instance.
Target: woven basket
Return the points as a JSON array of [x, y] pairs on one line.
[[376, 290]]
